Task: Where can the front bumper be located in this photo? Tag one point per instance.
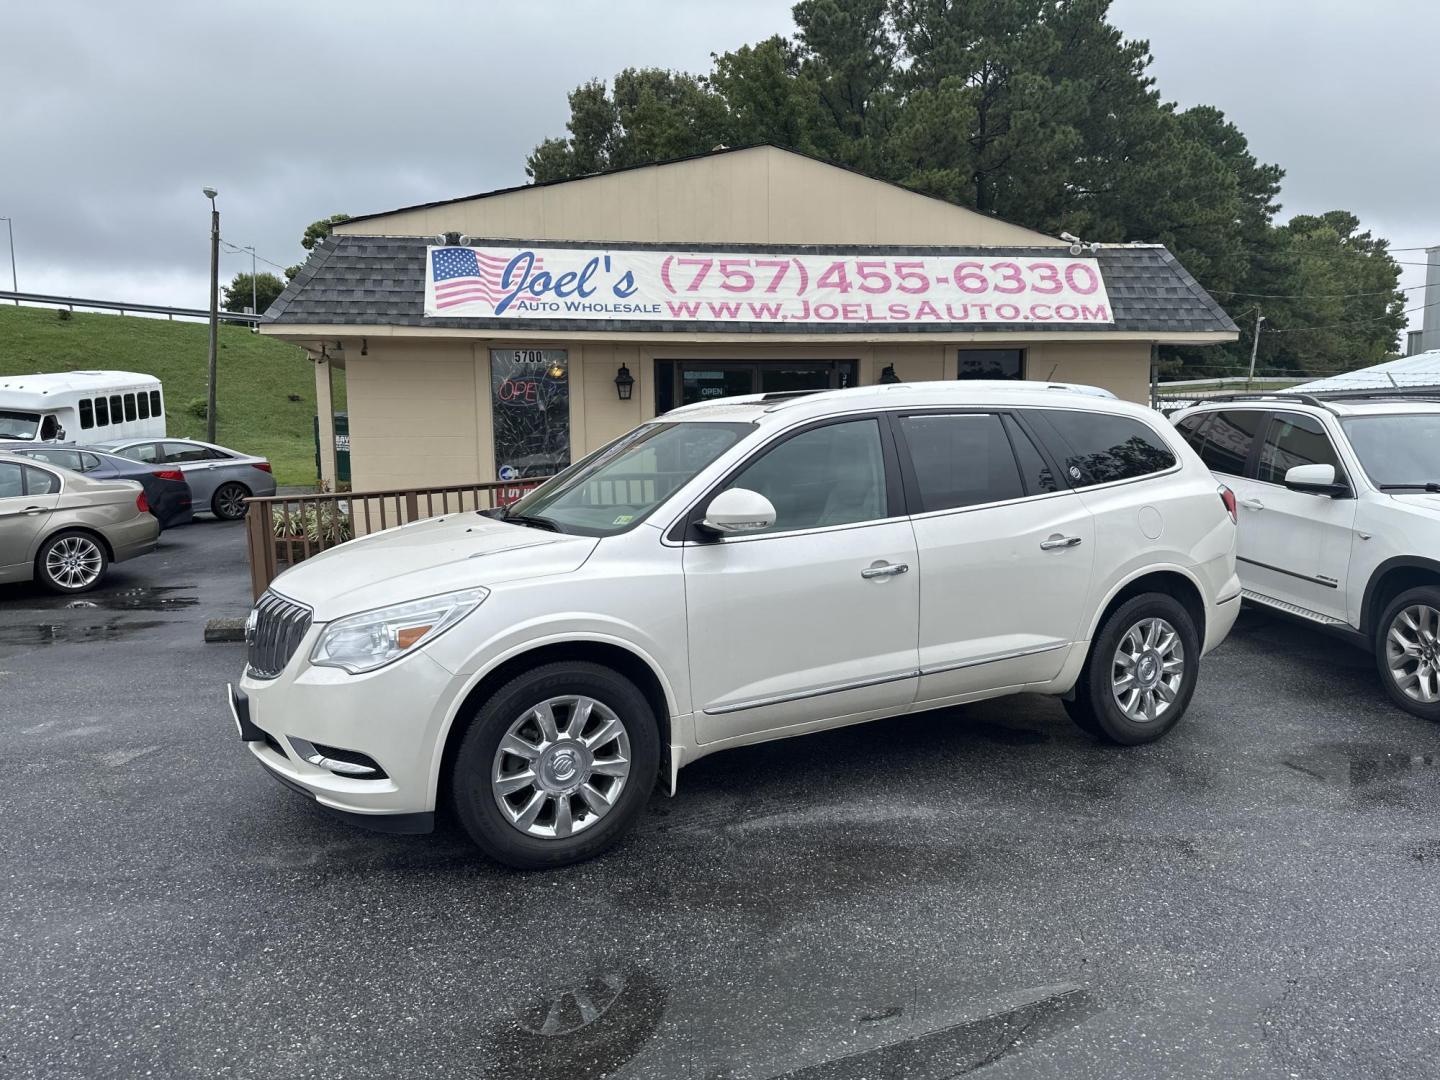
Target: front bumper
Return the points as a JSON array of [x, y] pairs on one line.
[[396, 716]]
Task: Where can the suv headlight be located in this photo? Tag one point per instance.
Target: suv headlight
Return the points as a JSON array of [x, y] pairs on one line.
[[372, 639]]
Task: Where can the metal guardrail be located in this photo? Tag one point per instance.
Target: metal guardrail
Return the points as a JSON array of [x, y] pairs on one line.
[[72, 302], [282, 530]]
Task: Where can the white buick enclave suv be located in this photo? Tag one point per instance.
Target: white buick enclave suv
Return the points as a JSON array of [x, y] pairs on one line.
[[737, 571]]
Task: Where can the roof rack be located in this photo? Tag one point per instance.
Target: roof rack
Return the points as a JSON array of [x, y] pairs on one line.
[[1323, 398], [782, 395]]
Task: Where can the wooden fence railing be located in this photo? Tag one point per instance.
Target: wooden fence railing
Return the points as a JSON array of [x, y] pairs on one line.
[[283, 530]]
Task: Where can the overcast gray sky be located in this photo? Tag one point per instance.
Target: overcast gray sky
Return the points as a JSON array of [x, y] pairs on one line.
[[113, 120]]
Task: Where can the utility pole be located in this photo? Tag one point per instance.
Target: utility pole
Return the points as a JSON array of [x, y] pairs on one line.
[[1255, 345], [14, 281], [210, 194], [254, 292]]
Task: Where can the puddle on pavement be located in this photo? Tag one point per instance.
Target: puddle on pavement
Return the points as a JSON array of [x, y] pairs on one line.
[[59, 634], [616, 1024], [592, 1028], [1372, 774], [139, 598]]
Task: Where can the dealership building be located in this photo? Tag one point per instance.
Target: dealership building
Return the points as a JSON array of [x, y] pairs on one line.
[[506, 334]]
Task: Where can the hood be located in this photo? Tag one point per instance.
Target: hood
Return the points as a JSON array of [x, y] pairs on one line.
[[1423, 501], [437, 555]]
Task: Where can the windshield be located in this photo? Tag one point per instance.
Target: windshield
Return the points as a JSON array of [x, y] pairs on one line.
[[618, 487], [1398, 450], [18, 425]]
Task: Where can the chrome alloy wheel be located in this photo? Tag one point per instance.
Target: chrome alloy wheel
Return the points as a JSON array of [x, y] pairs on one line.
[[230, 501], [1412, 650], [1148, 668], [74, 562], [561, 767]]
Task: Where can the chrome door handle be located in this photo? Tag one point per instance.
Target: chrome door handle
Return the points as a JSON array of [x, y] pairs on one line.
[[1059, 542], [1252, 504], [889, 570], [33, 510]]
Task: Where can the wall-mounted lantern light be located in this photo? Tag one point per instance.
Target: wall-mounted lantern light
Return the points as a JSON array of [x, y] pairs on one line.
[[624, 383], [888, 375]]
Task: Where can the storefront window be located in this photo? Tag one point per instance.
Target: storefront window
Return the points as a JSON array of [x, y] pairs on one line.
[[992, 364], [530, 399]]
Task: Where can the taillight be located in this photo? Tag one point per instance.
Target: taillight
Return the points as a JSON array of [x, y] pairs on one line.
[[1228, 498], [169, 474], [263, 466], [141, 504]]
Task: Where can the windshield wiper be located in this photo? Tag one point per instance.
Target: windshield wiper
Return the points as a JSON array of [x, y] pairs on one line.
[[1428, 486], [534, 521]]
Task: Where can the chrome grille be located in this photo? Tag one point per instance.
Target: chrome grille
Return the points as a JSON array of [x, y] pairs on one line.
[[273, 634]]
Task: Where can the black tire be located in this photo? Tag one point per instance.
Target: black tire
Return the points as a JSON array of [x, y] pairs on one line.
[[471, 789], [226, 504], [61, 580], [1426, 596], [1095, 708]]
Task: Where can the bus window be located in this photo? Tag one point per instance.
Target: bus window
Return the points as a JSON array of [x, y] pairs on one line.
[[102, 413], [129, 406], [87, 414], [117, 409], [142, 402], [155, 403]]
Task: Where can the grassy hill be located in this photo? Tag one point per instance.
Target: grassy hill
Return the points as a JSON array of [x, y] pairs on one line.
[[257, 375]]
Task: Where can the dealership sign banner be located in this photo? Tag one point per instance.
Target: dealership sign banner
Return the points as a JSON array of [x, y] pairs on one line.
[[771, 287]]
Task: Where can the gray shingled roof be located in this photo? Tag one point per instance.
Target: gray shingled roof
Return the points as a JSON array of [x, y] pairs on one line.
[[380, 281]]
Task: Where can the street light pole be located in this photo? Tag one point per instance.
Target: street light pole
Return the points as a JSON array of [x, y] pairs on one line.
[[210, 194], [254, 292], [14, 281]]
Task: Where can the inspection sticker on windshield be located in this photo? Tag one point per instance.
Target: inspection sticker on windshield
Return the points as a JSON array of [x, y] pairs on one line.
[[623, 519]]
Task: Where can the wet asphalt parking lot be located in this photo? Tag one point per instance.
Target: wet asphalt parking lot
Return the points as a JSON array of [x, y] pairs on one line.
[[979, 890]]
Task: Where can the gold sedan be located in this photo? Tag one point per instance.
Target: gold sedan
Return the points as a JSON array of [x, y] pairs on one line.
[[63, 529]]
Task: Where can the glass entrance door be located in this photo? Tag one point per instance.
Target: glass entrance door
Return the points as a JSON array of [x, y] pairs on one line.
[[684, 382]]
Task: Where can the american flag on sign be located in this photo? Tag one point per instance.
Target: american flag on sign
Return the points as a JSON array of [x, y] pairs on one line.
[[463, 275]]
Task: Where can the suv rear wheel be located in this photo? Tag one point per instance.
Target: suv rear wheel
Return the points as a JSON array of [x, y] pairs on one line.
[[556, 766], [1407, 651], [1141, 671]]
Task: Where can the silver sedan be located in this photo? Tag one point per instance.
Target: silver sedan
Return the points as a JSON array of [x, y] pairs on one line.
[[220, 479]]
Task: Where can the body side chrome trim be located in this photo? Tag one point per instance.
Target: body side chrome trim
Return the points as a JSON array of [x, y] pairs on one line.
[[941, 669], [860, 684], [780, 699]]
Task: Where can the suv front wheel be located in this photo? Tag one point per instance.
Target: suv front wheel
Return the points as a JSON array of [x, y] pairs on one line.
[[1407, 651], [1141, 671], [556, 766]]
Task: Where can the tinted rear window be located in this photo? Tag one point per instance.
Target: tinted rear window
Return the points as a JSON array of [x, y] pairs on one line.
[[1100, 448], [1224, 439], [961, 460]]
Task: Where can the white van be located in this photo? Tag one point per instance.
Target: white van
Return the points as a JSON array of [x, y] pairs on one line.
[[81, 406]]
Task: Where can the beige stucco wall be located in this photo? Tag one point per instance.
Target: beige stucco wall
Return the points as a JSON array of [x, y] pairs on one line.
[[420, 410], [762, 195], [419, 413]]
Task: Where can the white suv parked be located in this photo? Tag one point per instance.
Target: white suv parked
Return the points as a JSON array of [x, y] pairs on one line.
[[1339, 520], [737, 571]]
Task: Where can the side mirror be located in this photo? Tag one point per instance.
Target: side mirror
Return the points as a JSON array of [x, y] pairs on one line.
[[1315, 480], [738, 510]]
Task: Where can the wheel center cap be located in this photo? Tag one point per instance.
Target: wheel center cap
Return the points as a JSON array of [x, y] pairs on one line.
[[1147, 671], [563, 767]]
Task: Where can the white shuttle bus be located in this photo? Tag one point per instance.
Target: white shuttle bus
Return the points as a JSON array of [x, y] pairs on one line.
[[81, 407]]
